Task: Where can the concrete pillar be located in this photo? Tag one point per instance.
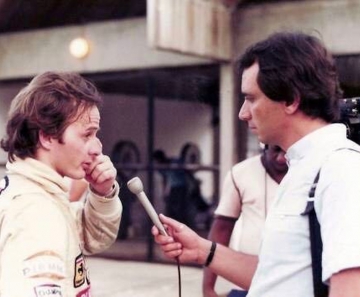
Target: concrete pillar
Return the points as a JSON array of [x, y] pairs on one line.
[[233, 133]]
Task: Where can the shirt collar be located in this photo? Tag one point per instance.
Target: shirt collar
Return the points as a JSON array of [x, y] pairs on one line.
[[39, 172], [324, 139]]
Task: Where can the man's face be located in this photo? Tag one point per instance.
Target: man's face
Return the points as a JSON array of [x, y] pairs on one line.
[[275, 158], [264, 116], [80, 146]]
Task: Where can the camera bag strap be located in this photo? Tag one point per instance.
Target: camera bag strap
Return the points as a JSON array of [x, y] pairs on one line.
[[320, 289]]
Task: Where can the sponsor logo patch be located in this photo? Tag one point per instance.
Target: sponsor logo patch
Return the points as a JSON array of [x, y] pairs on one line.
[[44, 264], [48, 291], [80, 273]]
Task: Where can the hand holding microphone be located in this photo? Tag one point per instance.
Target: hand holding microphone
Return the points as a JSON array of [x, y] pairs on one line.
[[136, 187]]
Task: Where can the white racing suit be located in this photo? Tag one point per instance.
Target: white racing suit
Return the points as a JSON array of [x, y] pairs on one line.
[[44, 237]]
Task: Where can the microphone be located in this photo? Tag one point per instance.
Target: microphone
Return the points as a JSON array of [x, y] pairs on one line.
[[136, 187]]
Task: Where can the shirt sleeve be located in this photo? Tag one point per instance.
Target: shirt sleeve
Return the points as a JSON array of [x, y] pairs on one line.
[[99, 221], [338, 209], [230, 201]]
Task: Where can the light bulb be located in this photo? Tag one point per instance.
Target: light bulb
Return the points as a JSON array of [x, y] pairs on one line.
[[79, 47]]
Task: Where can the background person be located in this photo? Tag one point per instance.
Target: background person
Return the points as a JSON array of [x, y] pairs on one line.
[[182, 192], [127, 200], [291, 99], [51, 133], [247, 193]]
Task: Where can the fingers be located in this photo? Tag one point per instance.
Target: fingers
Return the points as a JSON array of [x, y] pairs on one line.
[[167, 244], [175, 225], [159, 238], [101, 174], [173, 253], [101, 170]]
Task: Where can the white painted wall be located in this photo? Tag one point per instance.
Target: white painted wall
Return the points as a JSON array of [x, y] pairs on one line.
[[336, 22], [114, 46]]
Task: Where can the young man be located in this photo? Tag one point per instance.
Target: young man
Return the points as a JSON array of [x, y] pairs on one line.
[[51, 133], [291, 93], [248, 191]]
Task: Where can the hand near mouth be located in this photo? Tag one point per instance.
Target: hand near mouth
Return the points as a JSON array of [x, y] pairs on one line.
[[101, 175]]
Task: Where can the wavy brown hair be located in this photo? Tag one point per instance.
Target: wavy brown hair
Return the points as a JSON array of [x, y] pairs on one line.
[[49, 103]]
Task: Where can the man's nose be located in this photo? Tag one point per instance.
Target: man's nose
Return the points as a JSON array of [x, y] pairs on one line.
[[244, 113], [96, 147]]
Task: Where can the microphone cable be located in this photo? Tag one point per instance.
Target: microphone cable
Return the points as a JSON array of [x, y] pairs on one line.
[[179, 275]]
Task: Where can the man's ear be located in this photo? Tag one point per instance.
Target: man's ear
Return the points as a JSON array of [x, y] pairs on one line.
[[45, 141], [291, 108]]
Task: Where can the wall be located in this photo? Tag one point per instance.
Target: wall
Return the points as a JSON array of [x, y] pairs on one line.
[[337, 22], [114, 46]]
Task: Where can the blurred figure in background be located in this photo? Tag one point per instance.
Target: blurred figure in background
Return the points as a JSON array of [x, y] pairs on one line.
[[127, 199], [124, 155], [182, 192], [247, 193]]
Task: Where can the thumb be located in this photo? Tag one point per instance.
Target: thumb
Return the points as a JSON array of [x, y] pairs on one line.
[[173, 224]]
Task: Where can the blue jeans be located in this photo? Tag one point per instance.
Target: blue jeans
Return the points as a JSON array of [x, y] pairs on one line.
[[237, 293]]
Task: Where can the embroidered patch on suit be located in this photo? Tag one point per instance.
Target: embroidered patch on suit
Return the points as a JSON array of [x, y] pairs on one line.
[[45, 264], [48, 290], [80, 274]]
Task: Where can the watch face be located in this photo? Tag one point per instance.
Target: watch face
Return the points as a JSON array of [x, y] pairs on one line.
[[125, 156]]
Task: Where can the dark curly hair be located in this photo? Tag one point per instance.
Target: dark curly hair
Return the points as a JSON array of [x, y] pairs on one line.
[[296, 65], [49, 103]]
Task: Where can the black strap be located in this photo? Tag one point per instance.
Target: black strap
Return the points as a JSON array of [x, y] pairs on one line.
[[320, 289]]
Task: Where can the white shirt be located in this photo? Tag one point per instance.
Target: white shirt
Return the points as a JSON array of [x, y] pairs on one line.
[[285, 261], [251, 203]]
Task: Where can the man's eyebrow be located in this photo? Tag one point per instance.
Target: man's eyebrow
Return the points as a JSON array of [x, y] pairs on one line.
[[93, 128]]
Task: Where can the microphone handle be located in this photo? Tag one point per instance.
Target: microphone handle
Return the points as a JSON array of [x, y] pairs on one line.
[[151, 212]]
